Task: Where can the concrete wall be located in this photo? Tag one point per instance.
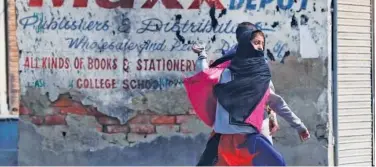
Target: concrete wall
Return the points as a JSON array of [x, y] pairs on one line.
[[101, 81]]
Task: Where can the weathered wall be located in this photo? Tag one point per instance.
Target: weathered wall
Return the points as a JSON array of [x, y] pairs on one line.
[[104, 78]]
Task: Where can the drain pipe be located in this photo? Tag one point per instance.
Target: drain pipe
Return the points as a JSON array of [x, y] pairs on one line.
[[334, 80]]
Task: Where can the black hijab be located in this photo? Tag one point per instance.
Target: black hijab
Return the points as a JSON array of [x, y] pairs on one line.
[[251, 78]]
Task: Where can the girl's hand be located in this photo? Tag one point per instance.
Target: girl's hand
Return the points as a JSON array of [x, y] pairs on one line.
[[273, 124], [198, 48], [304, 136]]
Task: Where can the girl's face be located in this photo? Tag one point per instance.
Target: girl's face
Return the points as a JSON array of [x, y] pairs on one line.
[[258, 42]]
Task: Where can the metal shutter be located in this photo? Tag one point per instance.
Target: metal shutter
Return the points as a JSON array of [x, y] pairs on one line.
[[354, 82]]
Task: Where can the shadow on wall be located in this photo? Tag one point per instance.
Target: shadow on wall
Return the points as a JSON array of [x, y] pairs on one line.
[[8, 142]]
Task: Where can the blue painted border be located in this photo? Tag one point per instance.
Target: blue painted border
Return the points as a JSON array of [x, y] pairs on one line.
[[8, 142]]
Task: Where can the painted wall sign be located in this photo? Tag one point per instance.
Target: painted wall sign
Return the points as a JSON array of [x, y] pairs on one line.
[[107, 53]]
